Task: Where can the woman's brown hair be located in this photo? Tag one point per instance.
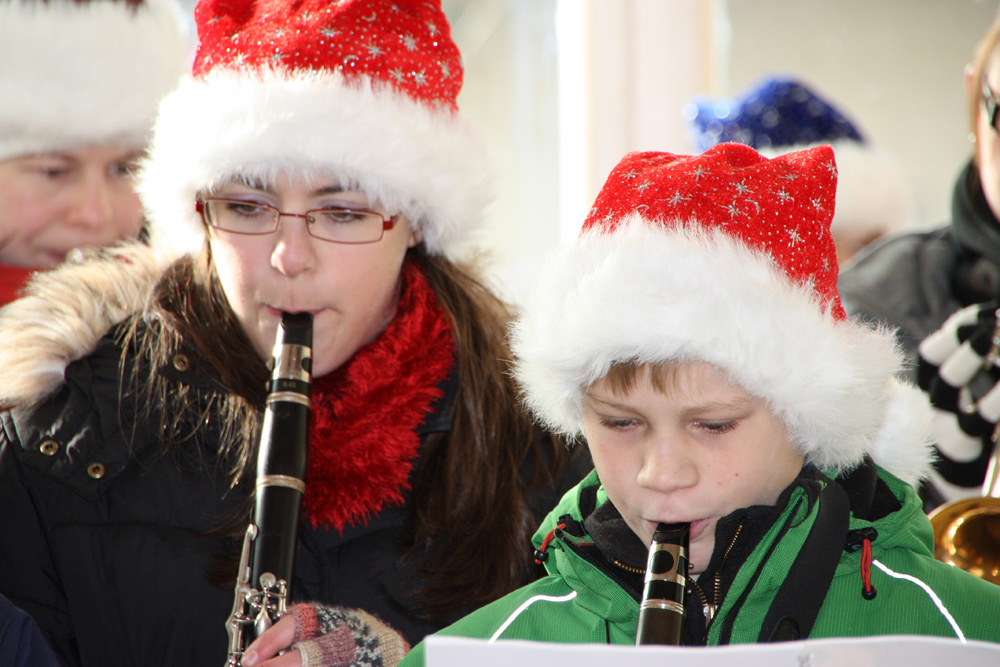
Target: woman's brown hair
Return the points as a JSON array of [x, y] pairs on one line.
[[471, 523], [470, 484]]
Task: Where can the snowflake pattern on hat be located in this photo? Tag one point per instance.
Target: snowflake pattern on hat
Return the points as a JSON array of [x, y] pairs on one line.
[[364, 92], [782, 206], [404, 44], [724, 258], [780, 114]]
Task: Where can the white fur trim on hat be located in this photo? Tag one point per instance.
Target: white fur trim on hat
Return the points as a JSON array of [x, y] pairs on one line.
[[73, 74], [423, 162], [649, 293]]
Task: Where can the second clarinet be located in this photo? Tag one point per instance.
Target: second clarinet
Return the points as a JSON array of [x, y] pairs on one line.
[[661, 611]]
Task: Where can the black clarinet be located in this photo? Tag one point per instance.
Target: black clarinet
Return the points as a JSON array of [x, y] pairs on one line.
[[661, 611], [263, 584]]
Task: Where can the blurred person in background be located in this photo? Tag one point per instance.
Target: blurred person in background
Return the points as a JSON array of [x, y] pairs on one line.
[[941, 288], [780, 114], [80, 83]]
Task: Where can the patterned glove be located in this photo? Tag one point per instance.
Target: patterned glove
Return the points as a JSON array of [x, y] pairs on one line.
[[340, 637], [958, 368]]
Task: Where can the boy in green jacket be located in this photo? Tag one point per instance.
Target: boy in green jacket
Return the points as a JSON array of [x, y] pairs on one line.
[[694, 336]]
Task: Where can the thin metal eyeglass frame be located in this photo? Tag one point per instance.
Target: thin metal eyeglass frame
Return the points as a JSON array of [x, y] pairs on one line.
[[991, 104], [201, 209]]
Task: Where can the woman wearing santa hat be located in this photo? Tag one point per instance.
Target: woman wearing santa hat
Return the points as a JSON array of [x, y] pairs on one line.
[[314, 162], [80, 82]]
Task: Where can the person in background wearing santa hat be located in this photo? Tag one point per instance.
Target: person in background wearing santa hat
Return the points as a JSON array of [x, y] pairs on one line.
[[80, 82], [314, 162], [780, 114], [694, 337], [940, 289]]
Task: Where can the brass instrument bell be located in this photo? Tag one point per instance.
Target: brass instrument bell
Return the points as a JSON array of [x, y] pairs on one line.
[[967, 531]]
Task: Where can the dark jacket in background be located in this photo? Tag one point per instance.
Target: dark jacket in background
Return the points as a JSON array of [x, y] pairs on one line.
[[916, 279]]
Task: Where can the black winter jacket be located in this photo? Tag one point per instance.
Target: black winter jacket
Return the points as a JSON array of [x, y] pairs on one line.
[[102, 538]]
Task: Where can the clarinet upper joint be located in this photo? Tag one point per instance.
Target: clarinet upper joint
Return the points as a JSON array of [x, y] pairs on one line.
[[267, 559]]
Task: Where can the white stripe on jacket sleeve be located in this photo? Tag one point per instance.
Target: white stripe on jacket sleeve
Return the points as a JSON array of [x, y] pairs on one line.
[[933, 596], [524, 605]]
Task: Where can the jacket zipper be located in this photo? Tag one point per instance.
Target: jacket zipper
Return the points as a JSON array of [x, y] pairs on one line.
[[569, 544], [711, 607]]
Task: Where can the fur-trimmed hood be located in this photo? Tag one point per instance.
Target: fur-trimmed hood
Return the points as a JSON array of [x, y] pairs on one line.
[[66, 311]]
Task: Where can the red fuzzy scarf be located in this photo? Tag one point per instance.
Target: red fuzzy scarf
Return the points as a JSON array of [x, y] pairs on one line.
[[363, 442], [12, 281]]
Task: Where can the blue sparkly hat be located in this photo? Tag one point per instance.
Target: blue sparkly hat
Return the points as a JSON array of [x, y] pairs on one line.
[[776, 113], [779, 114]]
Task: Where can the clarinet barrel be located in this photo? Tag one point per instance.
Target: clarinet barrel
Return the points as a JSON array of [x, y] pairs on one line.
[[661, 611]]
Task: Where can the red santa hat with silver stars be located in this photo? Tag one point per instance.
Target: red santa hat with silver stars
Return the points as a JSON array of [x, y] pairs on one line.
[[364, 91], [724, 258]]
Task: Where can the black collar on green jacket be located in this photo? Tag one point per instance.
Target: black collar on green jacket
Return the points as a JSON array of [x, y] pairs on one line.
[[619, 551]]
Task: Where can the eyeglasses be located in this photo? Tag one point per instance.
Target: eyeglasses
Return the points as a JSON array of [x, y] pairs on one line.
[[337, 225], [991, 104]]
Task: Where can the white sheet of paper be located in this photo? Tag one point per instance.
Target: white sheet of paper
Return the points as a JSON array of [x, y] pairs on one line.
[[904, 650]]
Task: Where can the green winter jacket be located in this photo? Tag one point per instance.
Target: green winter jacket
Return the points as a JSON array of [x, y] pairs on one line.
[[578, 602]]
